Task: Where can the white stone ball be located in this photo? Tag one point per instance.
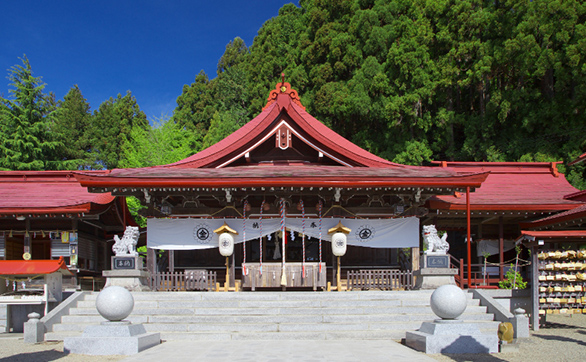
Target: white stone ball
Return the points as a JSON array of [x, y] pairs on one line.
[[115, 303], [448, 302]]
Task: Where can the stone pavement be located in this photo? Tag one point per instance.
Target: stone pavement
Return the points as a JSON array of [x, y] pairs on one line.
[[280, 350]]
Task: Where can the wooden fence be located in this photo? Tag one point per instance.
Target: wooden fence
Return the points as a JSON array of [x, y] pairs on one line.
[[183, 281], [383, 279]]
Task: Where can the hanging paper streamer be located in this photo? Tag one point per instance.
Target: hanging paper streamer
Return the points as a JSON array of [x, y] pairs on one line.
[[262, 205], [302, 236], [284, 235], [244, 271], [319, 208]]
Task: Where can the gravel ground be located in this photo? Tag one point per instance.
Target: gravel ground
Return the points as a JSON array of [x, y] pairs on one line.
[[13, 349], [563, 338]]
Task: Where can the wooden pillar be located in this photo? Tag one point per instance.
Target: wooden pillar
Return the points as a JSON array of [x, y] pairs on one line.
[[415, 259], [501, 249], [232, 271], [334, 270], [534, 289], [171, 261], [469, 252], [151, 261]]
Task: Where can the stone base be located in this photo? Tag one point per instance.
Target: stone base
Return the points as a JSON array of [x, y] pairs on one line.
[[112, 338], [509, 347], [454, 336], [133, 280], [433, 278]]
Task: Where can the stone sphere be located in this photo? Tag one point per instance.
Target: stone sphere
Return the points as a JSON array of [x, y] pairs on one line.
[[115, 303], [448, 302]]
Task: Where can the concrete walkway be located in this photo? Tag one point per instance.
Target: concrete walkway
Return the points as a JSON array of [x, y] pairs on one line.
[[280, 350]]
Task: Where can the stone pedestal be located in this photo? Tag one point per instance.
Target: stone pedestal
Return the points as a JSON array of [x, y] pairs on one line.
[[112, 338], [133, 280], [451, 336], [432, 278], [128, 272], [34, 329]]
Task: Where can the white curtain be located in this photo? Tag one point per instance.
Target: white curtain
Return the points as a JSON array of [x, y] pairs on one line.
[[189, 234]]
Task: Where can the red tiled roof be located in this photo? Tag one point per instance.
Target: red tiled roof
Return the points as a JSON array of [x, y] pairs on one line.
[[552, 234], [33, 267], [47, 192], [210, 167], [279, 103], [511, 186], [263, 176], [573, 214]]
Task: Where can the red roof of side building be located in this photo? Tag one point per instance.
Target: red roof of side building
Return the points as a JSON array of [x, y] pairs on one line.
[[33, 267], [532, 186], [552, 234], [576, 213], [48, 192]]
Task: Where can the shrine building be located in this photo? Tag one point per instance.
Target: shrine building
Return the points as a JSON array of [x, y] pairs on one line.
[[280, 183], [282, 187]]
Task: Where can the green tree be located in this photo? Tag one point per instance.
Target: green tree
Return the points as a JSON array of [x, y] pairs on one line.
[[73, 124], [26, 124], [112, 128], [195, 108], [163, 143]]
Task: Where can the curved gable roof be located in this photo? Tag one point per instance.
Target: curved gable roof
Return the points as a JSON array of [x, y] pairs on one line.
[[283, 103]]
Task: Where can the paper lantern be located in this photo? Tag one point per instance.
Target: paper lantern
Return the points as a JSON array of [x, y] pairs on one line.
[[339, 238], [339, 244], [226, 244], [226, 239]]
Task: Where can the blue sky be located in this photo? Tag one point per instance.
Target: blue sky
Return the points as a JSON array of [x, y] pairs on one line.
[[151, 48]]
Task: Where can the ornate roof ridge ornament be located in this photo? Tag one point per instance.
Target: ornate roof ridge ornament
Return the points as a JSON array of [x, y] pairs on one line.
[[283, 88]]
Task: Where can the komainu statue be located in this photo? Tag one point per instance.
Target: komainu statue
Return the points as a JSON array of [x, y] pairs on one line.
[[432, 242], [126, 245]]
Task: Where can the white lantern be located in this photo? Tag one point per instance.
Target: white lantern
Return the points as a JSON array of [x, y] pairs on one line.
[[339, 244], [226, 244]]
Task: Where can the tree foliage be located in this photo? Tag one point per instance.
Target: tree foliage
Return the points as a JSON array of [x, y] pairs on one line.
[[26, 124], [73, 126], [113, 125], [413, 81]]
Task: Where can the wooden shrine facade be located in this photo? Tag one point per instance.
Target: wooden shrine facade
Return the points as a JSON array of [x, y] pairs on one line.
[[283, 165]]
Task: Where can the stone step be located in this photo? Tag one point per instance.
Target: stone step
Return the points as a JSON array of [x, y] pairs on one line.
[[327, 303], [277, 296], [269, 318], [267, 332], [273, 315]]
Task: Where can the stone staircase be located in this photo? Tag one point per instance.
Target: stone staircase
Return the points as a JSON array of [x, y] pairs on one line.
[[273, 315]]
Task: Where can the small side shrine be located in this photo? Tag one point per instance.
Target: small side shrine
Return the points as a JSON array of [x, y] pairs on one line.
[[485, 225], [281, 182], [48, 214], [36, 287]]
